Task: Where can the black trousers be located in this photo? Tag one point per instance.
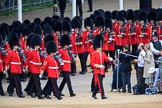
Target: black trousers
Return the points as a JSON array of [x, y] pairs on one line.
[[92, 84], [82, 62], [1, 87], [66, 79], [29, 85], [134, 49], [79, 5], [62, 7], [36, 85], [112, 55], [73, 67], [86, 57], [15, 82], [98, 85], [140, 79], [90, 5], [50, 86]]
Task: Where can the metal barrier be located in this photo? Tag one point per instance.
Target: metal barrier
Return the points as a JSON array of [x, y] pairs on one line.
[[7, 5]]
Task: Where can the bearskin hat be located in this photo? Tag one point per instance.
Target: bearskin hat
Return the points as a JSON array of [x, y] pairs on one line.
[[29, 39], [48, 38], [159, 15], [88, 22], [14, 40], [142, 16], [16, 23], [58, 26], [65, 40], [2, 33], [56, 17], [108, 14], [114, 14], [120, 16], [27, 22], [108, 23], [37, 29], [48, 20], [5, 26], [130, 15], [37, 21], [78, 18], [67, 19], [1, 40], [152, 16], [99, 13], [47, 29], [66, 26], [26, 31], [136, 14], [51, 47], [99, 21], [75, 23], [35, 40], [98, 41]]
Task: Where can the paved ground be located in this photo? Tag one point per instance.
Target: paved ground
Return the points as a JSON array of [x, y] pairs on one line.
[[81, 83]]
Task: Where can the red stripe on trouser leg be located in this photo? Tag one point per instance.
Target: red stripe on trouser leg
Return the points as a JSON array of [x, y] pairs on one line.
[[97, 83]]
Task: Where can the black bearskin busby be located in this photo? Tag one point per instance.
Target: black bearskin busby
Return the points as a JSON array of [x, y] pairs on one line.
[[1, 40], [58, 26], [67, 19], [65, 40], [142, 16], [51, 47], [26, 31], [120, 16], [5, 26], [88, 22], [27, 22], [37, 21], [75, 23], [114, 14], [98, 42], [48, 20], [47, 29], [56, 17], [2, 33], [48, 38], [152, 16], [66, 26], [130, 15], [108, 14], [37, 29], [35, 40], [108, 23], [13, 41], [99, 21], [29, 39]]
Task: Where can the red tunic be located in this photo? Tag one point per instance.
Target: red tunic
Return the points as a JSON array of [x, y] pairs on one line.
[[121, 40], [132, 37], [51, 66], [143, 39], [99, 58], [14, 62], [159, 31], [77, 48], [1, 62], [34, 61], [66, 59]]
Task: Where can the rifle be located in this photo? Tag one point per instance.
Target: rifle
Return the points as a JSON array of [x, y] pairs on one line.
[[21, 53], [132, 28], [122, 29], [58, 58], [144, 28], [42, 53], [79, 38], [71, 54], [4, 52], [111, 34], [90, 35]]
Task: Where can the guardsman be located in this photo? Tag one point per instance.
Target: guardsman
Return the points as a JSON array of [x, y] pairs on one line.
[[109, 40], [97, 62], [66, 68], [159, 25], [151, 16], [52, 67], [35, 59], [78, 42], [88, 36], [121, 38], [57, 32], [14, 62], [142, 29], [131, 26]]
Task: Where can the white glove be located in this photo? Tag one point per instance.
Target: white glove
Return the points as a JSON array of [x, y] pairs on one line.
[[101, 66], [40, 76], [110, 58]]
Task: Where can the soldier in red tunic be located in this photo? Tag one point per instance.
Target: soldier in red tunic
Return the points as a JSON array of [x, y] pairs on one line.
[[14, 62], [66, 68], [97, 61], [35, 59], [52, 66], [159, 25]]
